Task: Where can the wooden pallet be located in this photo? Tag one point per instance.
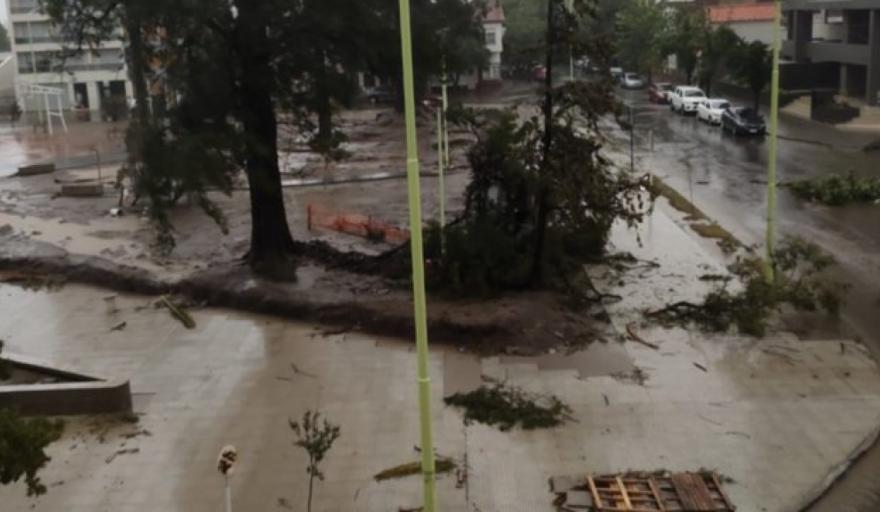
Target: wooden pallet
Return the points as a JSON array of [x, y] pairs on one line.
[[678, 492]]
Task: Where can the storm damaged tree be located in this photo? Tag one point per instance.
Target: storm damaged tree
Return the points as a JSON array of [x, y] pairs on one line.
[[22, 449], [163, 166], [542, 198], [219, 62]]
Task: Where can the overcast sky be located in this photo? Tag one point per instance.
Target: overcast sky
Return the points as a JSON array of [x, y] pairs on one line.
[[3, 11]]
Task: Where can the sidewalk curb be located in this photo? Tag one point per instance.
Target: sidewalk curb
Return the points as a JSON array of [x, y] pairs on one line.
[[839, 471]]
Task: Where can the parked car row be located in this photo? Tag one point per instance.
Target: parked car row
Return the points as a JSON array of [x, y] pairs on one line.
[[686, 99]]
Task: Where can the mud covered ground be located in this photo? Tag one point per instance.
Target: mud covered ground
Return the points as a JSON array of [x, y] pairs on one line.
[[42, 232]]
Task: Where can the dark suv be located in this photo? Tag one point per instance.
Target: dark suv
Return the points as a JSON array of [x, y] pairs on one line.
[[743, 121]]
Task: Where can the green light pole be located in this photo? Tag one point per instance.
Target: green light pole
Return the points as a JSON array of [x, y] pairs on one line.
[[771, 163], [418, 257]]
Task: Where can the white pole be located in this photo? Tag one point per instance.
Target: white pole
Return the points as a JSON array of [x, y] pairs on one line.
[[228, 493], [61, 113], [48, 113]]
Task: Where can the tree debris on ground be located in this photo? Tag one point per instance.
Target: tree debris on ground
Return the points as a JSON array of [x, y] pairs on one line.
[[634, 336], [178, 312], [32, 281], [22, 451], [837, 190], [799, 283], [506, 406], [125, 451], [441, 465]]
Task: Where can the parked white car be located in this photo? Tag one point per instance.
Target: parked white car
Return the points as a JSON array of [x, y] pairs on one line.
[[685, 99], [632, 81], [710, 111]]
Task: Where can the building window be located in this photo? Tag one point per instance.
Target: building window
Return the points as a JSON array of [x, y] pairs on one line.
[[25, 63], [490, 38], [35, 32], [47, 62], [22, 6], [833, 15]]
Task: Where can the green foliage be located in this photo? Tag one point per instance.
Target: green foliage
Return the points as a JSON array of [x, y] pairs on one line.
[[22, 449], [442, 465], [799, 283], [508, 407], [316, 438], [836, 190], [541, 199], [685, 39], [643, 30], [526, 21], [719, 46]]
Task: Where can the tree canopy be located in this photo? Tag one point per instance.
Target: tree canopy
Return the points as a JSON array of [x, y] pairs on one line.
[[643, 28], [213, 79]]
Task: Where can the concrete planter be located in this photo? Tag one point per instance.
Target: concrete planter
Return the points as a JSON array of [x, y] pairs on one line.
[[76, 393]]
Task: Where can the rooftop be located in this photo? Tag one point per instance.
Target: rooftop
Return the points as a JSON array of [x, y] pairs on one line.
[[494, 13], [741, 12]]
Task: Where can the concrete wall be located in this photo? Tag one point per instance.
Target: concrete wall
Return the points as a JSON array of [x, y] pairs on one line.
[[76, 394], [754, 30]]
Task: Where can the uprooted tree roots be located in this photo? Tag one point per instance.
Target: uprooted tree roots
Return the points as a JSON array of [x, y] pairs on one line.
[[506, 406], [798, 283]]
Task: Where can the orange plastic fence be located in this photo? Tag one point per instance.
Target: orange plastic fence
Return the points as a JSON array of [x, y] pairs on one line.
[[355, 224]]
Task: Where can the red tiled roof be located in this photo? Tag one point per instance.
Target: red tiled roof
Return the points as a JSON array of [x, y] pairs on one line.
[[742, 12], [494, 13]]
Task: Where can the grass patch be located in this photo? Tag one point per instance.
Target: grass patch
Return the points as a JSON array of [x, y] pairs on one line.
[[837, 190], [441, 465], [726, 240], [505, 407], [676, 200]]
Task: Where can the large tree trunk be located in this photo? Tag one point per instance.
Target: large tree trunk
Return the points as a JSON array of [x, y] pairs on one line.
[[542, 206], [272, 249]]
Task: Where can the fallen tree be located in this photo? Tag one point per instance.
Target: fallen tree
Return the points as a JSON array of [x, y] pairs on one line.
[[837, 190], [799, 283]]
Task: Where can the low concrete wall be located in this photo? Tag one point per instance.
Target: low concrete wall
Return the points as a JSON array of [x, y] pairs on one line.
[[81, 395]]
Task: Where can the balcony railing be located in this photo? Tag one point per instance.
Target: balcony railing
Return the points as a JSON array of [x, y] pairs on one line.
[[94, 66], [38, 39], [57, 67]]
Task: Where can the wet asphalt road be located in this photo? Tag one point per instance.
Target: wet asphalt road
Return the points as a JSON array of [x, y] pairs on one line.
[[725, 176]]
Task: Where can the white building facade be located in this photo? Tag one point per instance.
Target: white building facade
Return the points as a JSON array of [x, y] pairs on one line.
[[87, 82], [493, 27]]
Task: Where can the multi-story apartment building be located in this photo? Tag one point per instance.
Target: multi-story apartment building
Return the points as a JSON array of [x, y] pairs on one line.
[[840, 36], [85, 81]]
